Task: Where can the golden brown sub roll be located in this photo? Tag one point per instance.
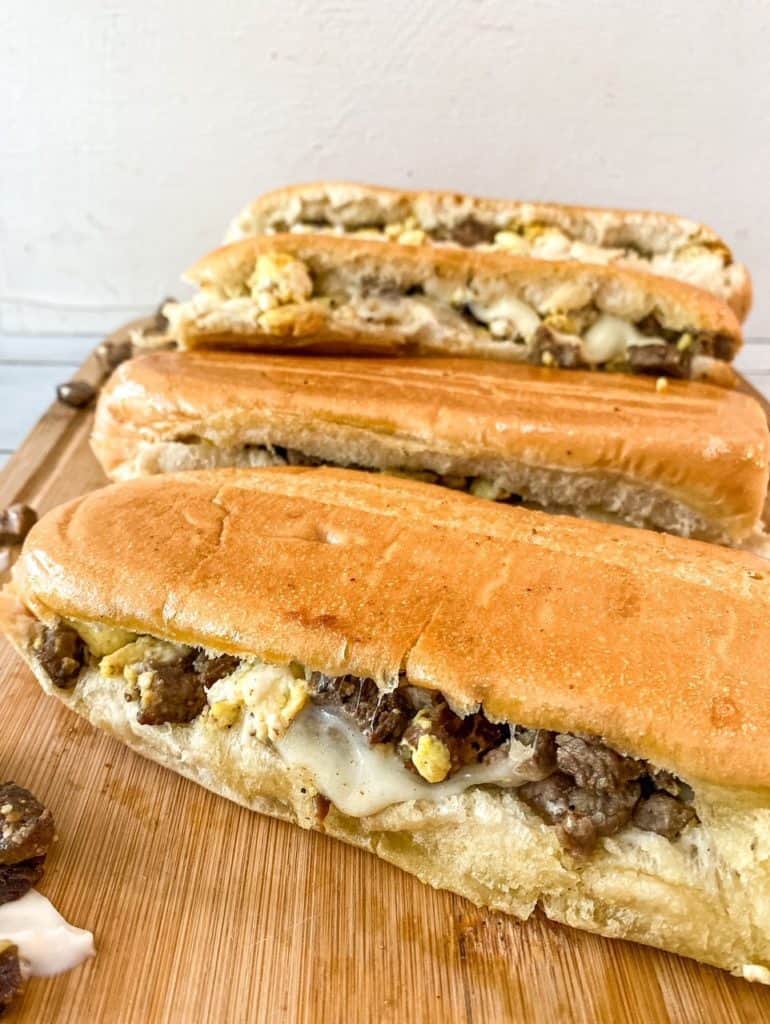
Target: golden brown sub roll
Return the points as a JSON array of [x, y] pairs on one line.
[[326, 294], [527, 710], [689, 458], [660, 243]]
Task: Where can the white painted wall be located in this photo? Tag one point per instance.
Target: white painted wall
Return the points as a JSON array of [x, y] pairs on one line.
[[132, 129]]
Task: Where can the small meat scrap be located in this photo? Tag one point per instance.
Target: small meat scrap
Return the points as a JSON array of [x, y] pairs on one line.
[[470, 232], [542, 744], [112, 353], [381, 716], [26, 833], [595, 792], [211, 669], [15, 523], [26, 826], [76, 393], [593, 765], [173, 689], [581, 816], [17, 879], [11, 980], [438, 742], [60, 652], [659, 358], [664, 814], [160, 320], [553, 348]]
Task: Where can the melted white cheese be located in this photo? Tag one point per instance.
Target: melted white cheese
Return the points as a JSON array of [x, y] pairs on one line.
[[47, 943], [609, 338], [360, 779], [523, 320]]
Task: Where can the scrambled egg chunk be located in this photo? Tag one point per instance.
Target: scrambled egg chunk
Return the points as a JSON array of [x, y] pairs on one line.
[[100, 639], [126, 660], [429, 755], [268, 696], [279, 280], [431, 758]]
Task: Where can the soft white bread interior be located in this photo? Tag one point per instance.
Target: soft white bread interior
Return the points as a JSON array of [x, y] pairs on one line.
[[655, 644], [664, 244], [688, 458], [327, 294]]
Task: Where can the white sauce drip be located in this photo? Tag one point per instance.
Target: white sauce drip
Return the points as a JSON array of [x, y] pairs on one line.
[[360, 779], [47, 943]]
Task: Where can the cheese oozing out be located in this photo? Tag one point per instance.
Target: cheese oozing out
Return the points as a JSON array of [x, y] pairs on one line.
[[360, 779], [47, 944], [609, 338]]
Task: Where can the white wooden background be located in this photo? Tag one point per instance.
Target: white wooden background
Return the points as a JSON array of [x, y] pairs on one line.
[[32, 365]]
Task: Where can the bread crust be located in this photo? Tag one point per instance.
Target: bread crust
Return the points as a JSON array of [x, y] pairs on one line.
[[322, 323], [703, 446], [343, 202], [657, 644]]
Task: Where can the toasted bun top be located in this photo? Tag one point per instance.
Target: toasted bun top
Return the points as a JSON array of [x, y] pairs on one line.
[[355, 205], [659, 645], [547, 285], [707, 445]]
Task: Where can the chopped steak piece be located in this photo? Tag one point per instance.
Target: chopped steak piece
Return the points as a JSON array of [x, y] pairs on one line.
[[658, 359], [594, 766], [11, 981], [15, 523], [17, 879], [26, 826], [717, 346], [175, 690], [661, 779], [552, 348], [596, 791], [663, 814], [169, 692], [651, 327], [60, 651], [382, 717], [76, 393], [466, 739], [470, 232], [113, 353], [581, 816], [211, 670]]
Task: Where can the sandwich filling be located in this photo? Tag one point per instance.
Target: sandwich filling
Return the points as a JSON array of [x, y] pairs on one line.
[[284, 295], [697, 258], [365, 748]]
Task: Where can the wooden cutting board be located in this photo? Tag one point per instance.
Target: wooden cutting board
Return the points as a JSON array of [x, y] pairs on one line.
[[205, 912]]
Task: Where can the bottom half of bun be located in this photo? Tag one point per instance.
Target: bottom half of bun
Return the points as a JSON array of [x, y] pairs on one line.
[[705, 896]]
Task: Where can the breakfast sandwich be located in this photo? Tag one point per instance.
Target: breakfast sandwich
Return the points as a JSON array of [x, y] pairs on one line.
[[527, 710], [321, 293], [687, 458], [659, 243]]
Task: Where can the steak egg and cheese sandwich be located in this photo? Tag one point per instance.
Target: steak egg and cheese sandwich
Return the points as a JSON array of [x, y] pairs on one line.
[[322, 293], [688, 458], [660, 243], [526, 710]]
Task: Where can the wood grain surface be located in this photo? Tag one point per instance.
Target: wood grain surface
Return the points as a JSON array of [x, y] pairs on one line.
[[205, 912]]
